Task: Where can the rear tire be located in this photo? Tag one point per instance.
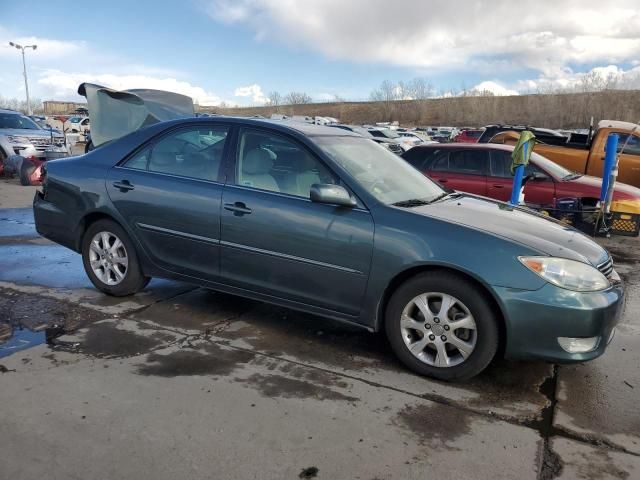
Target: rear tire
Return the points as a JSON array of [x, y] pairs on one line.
[[111, 261], [26, 170], [441, 325]]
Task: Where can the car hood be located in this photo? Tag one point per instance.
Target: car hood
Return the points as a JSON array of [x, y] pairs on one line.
[[26, 132], [622, 190], [540, 233]]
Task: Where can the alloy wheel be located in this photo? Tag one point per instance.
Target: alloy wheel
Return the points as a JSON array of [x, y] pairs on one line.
[[438, 329], [108, 258]]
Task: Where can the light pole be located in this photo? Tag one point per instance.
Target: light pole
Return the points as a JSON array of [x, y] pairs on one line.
[[24, 71]]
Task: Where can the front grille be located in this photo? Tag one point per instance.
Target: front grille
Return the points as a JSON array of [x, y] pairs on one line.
[[395, 148], [606, 267], [45, 141]]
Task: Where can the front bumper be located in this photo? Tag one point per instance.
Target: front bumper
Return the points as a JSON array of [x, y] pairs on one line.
[[536, 319], [28, 150]]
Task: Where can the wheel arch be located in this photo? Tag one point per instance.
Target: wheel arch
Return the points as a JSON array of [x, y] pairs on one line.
[[88, 220], [411, 272]]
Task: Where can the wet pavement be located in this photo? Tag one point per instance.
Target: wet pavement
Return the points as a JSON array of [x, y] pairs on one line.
[[183, 382]]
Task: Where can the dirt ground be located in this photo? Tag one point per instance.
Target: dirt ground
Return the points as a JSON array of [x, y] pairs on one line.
[[182, 382]]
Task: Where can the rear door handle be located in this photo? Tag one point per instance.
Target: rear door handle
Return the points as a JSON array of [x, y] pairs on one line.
[[123, 185], [238, 208], [497, 186], [443, 180]]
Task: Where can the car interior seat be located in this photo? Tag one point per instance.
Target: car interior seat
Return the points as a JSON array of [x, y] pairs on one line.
[[307, 175], [256, 168]]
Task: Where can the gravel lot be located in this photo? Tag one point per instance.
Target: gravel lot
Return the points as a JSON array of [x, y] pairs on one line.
[[182, 382]]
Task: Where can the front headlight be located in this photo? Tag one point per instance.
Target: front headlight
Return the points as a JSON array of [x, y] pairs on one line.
[[17, 139], [569, 274]]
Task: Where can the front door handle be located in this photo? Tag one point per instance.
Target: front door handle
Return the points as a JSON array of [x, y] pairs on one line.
[[123, 185], [238, 208], [442, 180]]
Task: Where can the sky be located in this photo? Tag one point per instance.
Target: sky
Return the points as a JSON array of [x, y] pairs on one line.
[[238, 51]]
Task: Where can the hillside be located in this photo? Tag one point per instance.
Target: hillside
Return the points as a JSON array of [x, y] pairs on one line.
[[569, 110]]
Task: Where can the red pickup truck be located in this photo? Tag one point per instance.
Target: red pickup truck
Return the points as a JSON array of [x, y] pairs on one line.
[[484, 169]]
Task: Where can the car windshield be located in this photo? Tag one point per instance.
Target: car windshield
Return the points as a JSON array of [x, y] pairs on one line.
[[552, 168], [388, 133], [15, 120], [383, 174]]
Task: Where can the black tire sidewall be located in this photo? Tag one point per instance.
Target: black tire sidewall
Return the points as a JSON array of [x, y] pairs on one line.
[[465, 291], [134, 279], [26, 170]]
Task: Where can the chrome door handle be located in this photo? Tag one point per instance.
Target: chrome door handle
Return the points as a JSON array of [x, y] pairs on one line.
[[238, 208], [123, 186]]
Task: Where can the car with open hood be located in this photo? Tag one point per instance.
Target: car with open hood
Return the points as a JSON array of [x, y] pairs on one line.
[[325, 221]]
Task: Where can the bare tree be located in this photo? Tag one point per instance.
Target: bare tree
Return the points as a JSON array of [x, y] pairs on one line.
[[420, 88], [297, 98], [21, 105], [274, 99]]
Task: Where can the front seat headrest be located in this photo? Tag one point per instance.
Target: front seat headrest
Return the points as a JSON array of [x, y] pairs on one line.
[[257, 162]]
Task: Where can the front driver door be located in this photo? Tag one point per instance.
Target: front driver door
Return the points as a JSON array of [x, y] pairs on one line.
[[277, 242], [169, 194]]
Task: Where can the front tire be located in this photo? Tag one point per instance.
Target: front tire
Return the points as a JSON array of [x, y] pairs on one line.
[[110, 259], [441, 325]]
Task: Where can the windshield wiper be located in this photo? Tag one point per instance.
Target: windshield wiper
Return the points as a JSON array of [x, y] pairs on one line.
[[572, 176], [413, 202], [445, 195]]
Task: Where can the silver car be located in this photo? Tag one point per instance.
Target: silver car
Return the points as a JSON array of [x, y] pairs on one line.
[[19, 135]]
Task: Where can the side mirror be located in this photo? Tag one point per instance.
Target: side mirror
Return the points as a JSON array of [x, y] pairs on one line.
[[331, 194], [538, 177]]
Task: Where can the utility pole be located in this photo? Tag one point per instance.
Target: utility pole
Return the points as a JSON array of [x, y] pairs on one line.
[[24, 72]]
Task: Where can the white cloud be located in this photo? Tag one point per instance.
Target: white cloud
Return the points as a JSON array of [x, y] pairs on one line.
[[610, 76], [442, 34], [254, 91], [494, 88], [63, 85], [47, 49]]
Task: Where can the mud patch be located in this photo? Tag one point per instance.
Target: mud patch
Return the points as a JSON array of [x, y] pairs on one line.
[[29, 320], [551, 466], [279, 386], [435, 425], [309, 472], [200, 309], [105, 340], [279, 331], [215, 361], [510, 383]]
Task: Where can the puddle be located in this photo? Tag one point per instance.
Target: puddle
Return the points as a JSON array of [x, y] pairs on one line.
[[21, 339], [27, 321]]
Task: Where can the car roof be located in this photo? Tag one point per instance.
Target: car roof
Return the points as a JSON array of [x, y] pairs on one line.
[[306, 129], [472, 146]]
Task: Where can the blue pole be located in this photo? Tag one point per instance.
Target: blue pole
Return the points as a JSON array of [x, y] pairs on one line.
[[609, 162], [517, 180]]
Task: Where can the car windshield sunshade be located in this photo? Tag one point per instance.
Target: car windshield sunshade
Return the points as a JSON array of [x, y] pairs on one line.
[[117, 113]]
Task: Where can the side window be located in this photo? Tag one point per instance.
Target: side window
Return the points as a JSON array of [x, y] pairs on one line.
[[416, 157], [471, 162], [633, 144], [440, 162], [140, 160], [194, 152], [272, 162], [500, 164]]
